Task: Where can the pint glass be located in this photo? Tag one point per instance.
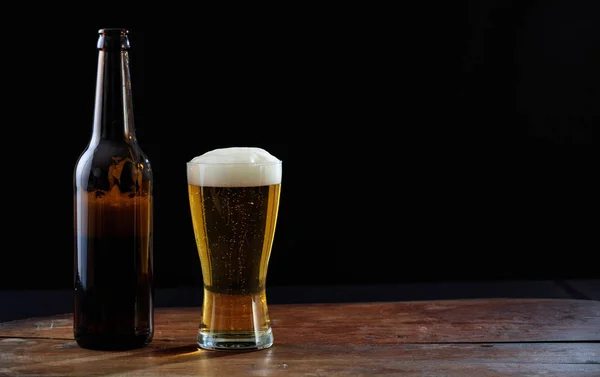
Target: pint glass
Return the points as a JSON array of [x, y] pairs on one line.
[[234, 201]]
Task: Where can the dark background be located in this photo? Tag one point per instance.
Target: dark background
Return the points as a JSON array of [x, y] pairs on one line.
[[450, 143]]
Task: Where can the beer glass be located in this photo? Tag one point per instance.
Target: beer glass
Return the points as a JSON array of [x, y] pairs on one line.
[[234, 201]]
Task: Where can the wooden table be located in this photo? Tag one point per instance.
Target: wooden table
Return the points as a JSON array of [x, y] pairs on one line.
[[474, 338]]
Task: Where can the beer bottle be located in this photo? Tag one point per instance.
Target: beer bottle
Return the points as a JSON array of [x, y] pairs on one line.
[[113, 213]]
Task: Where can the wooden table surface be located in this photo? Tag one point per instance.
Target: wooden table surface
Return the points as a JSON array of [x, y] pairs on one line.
[[475, 338]]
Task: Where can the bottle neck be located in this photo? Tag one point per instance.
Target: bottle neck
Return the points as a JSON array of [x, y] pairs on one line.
[[113, 115]]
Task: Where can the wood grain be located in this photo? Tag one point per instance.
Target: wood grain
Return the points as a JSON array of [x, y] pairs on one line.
[[497, 337], [37, 357], [496, 320]]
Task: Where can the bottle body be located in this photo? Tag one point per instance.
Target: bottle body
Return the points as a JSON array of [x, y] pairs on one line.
[[113, 223]]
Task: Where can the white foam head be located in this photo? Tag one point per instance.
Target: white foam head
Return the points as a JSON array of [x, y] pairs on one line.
[[234, 167]]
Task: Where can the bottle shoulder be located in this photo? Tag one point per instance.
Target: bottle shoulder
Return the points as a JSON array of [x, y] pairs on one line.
[[114, 150], [106, 162]]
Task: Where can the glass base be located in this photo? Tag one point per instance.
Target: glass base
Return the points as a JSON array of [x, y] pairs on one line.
[[228, 341]]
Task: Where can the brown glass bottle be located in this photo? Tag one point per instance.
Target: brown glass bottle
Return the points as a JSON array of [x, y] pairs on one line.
[[113, 213]]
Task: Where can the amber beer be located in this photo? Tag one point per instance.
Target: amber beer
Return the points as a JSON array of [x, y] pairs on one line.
[[234, 201], [114, 281]]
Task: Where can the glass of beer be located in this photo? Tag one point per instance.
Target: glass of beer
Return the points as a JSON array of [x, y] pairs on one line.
[[234, 201]]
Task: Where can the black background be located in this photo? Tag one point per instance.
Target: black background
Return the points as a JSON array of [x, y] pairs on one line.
[[447, 143]]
